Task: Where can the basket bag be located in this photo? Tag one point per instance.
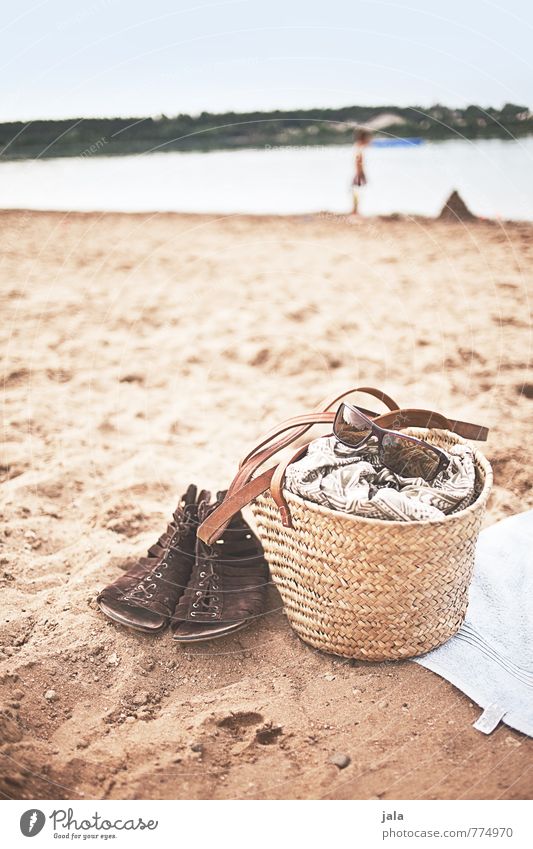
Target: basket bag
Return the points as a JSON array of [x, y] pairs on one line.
[[363, 588]]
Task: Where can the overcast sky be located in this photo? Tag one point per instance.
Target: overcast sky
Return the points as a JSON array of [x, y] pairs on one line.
[[66, 58]]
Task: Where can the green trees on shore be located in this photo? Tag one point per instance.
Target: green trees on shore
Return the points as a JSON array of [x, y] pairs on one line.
[[231, 130]]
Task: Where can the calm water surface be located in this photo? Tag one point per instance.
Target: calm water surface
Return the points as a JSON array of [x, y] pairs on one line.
[[495, 178]]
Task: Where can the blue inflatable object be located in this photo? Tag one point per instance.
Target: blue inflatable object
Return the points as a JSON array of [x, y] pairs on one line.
[[408, 142]]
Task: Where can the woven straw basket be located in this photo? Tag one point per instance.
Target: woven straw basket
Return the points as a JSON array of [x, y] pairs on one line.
[[374, 589]]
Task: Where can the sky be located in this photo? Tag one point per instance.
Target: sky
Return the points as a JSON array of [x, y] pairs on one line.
[[66, 58]]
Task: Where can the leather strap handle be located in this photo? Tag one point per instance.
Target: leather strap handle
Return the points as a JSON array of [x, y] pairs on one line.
[[276, 485], [395, 419], [244, 487], [247, 468], [324, 406], [392, 420]]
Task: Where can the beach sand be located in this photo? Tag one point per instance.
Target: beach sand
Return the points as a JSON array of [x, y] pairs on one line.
[[142, 352]]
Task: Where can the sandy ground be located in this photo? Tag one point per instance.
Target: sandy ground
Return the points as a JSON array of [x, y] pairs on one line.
[[143, 352]]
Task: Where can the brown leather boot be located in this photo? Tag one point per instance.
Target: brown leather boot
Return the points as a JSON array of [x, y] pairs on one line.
[[227, 587], [145, 597]]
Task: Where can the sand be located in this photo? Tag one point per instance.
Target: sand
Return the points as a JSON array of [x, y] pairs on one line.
[[142, 352]]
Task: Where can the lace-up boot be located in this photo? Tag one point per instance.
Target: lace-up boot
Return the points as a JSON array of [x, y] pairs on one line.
[[227, 587], [144, 598]]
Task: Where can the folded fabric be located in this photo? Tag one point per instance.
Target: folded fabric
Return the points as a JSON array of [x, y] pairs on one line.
[[491, 657], [355, 481]]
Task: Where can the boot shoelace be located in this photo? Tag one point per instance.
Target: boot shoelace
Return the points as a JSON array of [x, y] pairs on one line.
[[141, 593], [206, 600]]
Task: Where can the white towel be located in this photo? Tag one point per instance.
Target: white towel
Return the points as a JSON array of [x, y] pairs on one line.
[[491, 657]]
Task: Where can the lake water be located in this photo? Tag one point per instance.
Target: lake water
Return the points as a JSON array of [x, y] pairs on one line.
[[495, 178]]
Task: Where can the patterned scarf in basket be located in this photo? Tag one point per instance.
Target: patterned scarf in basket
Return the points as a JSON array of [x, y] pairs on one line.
[[354, 481]]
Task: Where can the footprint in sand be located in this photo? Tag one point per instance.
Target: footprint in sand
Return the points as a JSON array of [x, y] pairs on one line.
[[126, 520], [235, 723], [238, 723], [268, 735], [16, 378], [10, 470], [59, 375], [525, 390]]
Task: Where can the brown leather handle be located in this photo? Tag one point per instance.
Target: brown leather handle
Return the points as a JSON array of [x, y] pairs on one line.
[[323, 407], [244, 487], [394, 420], [276, 485], [260, 453]]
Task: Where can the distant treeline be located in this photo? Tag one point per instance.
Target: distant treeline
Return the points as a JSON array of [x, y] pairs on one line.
[[231, 130]]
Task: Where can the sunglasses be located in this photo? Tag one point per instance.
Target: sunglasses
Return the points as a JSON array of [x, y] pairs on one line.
[[404, 455]]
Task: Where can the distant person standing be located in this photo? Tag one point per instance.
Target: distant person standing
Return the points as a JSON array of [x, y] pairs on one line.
[[362, 140]]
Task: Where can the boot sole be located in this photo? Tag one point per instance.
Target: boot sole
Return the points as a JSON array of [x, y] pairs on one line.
[[204, 638], [115, 617]]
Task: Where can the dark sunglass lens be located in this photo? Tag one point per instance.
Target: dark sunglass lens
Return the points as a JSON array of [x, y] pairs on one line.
[[350, 427], [409, 459]]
